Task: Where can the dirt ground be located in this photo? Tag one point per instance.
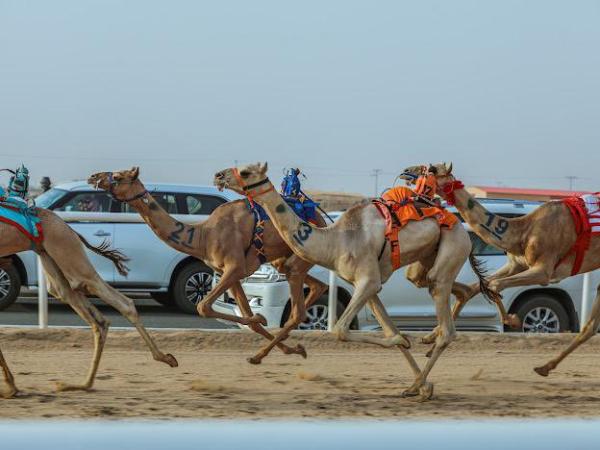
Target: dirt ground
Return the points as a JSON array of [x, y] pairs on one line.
[[480, 375]]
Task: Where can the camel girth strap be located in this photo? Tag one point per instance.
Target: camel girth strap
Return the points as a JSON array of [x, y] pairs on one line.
[[392, 228], [257, 241]]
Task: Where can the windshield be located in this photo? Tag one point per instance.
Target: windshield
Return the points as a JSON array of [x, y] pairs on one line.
[[48, 198]]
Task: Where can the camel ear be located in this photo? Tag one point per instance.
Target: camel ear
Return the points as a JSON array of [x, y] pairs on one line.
[[264, 168], [448, 168], [135, 172]]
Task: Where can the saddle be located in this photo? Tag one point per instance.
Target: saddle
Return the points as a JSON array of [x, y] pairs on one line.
[[400, 205], [585, 211], [15, 211]]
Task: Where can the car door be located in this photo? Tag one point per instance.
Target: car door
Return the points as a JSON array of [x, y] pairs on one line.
[[90, 223]]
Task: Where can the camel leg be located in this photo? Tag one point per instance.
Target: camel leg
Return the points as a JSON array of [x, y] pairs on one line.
[[509, 269], [588, 331], [461, 292], [389, 329], [8, 378], [297, 315], [205, 309], [59, 287], [126, 307], [316, 290], [364, 291], [538, 274], [242, 302], [454, 243], [445, 336], [367, 290]]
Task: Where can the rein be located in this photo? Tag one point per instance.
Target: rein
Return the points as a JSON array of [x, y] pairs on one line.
[[449, 188], [112, 183]]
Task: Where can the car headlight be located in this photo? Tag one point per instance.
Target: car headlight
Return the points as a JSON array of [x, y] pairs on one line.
[[266, 274]]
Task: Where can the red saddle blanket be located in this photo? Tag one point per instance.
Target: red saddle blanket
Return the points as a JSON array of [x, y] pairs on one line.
[[585, 211]]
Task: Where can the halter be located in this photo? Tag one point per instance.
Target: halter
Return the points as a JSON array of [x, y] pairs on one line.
[[249, 187], [449, 188], [112, 183]]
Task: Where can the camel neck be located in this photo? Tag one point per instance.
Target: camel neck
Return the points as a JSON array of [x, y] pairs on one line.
[[307, 241], [501, 232], [182, 237]]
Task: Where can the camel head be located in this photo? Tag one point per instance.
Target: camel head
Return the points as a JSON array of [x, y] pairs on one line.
[[443, 175], [412, 173], [239, 179], [123, 184]]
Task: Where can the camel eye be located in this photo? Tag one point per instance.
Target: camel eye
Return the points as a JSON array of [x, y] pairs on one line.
[[245, 173]]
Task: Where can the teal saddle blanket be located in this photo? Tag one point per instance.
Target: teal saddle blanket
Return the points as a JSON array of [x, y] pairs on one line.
[[16, 212]]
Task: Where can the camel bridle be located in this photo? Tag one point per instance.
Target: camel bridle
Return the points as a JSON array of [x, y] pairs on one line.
[[247, 188], [449, 188], [112, 183]]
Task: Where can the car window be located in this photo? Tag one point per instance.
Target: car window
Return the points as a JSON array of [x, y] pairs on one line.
[[481, 248], [48, 198], [201, 204], [87, 202], [167, 201]]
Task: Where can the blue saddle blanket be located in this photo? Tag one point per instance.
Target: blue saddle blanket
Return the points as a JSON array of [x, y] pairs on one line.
[[16, 212]]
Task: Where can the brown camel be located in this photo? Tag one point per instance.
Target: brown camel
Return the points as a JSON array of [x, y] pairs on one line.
[[355, 247], [8, 376], [71, 277], [223, 242], [539, 246]]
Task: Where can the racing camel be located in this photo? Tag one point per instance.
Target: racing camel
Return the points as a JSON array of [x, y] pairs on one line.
[[559, 239], [225, 243], [71, 277], [357, 249]]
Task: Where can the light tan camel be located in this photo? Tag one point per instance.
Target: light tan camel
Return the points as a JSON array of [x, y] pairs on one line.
[[71, 277], [410, 175], [355, 247], [538, 245], [224, 242]]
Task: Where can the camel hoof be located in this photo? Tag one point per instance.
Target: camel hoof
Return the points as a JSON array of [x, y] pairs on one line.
[[543, 371], [63, 387], [170, 360], [513, 322], [260, 319], [254, 360], [430, 352], [12, 393], [425, 392], [300, 350]]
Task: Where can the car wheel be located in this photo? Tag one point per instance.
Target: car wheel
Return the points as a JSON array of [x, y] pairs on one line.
[[191, 285], [317, 316], [162, 297], [10, 286], [543, 314]]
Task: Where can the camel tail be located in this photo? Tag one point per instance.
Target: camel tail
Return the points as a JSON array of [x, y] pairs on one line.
[[478, 267], [118, 258]]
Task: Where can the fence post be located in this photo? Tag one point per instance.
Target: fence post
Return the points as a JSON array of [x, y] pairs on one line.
[[332, 301], [42, 296], [586, 301]]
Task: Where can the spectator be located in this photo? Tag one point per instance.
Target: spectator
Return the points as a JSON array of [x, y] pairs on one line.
[[45, 184]]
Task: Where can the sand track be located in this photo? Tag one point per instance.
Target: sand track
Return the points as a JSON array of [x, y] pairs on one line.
[[480, 375]]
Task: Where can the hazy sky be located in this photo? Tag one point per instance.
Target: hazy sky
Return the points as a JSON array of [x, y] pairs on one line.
[[508, 90]]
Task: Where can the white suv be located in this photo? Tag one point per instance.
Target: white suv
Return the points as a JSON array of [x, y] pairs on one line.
[[548, 309], [169, 276]]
